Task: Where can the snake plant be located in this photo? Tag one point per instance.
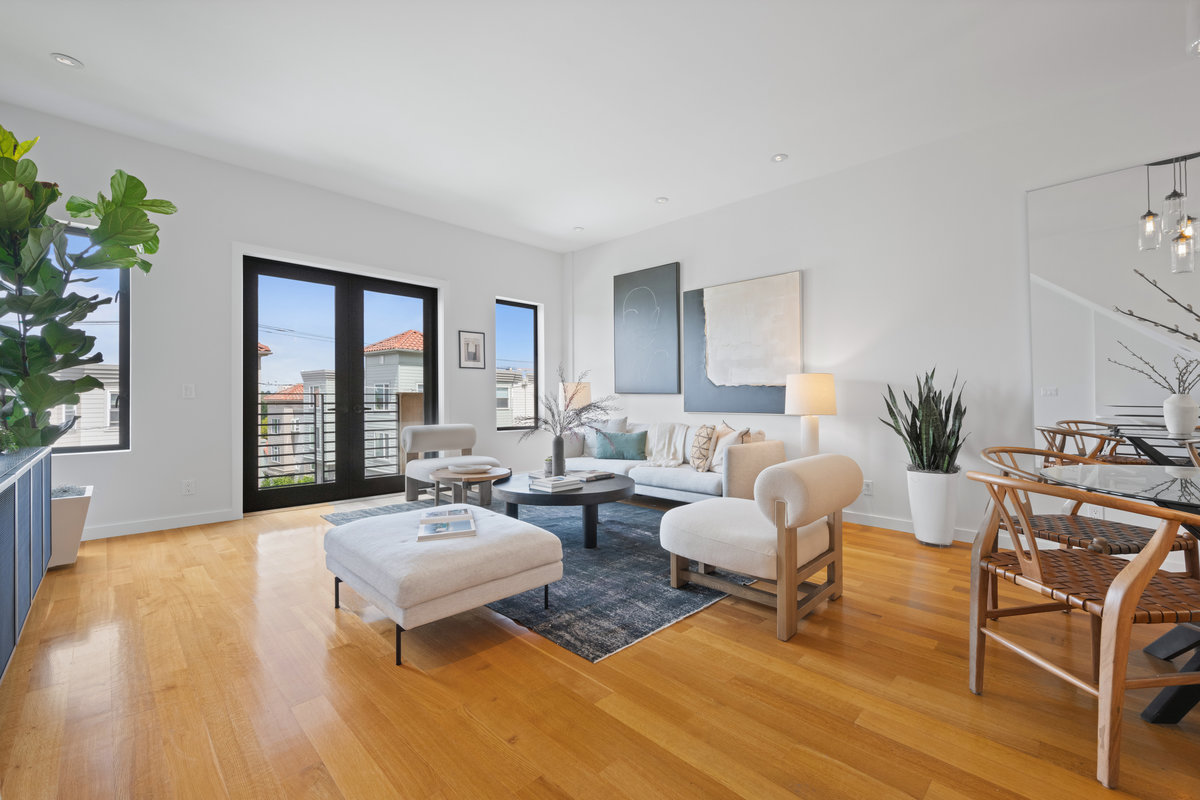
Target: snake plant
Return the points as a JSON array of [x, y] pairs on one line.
[[931, 426]]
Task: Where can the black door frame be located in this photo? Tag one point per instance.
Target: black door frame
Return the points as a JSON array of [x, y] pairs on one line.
[[350, 447]]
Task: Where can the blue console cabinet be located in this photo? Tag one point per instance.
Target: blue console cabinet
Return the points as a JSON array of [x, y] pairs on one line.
[[24, 540]]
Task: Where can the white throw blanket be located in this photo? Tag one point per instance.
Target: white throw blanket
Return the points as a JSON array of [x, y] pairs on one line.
[[664, 444]]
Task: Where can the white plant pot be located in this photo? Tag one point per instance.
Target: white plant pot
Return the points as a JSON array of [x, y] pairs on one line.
[[933, 498], [1181, 412], [67, 515]]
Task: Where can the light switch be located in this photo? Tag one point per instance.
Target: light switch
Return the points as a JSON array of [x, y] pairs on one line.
[[189, 391]]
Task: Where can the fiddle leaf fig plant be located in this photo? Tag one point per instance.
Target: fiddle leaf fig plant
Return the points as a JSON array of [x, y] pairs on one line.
[[38, 275]]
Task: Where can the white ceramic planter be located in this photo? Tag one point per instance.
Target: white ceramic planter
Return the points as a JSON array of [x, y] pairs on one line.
[[933, 499], [67, 515], [1181, 412]]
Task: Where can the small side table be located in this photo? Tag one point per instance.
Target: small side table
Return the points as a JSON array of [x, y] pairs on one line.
[[462, 481]]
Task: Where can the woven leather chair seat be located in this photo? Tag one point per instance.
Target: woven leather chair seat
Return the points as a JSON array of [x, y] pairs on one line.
[[1076, 530], [1081, 579], [1113, 458]]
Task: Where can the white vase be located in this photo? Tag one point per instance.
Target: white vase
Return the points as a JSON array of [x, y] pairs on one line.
[[67, 515], [933, 498], [1180, 412]]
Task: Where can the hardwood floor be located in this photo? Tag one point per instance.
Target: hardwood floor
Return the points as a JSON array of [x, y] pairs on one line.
[[209, 662]]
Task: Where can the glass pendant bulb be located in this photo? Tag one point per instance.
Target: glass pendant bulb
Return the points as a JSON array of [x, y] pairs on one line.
[[1173, 214], [1183, 254], [1189, 226], [1150, 231]]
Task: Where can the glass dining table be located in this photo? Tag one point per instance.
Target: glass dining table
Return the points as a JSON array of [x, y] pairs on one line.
[[1175, 487]]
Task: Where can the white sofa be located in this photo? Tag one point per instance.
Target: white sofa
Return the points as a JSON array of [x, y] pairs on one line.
[[735, 478]]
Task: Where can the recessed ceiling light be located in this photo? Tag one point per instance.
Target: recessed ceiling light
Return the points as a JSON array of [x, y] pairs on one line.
[[661, 200], [577, 228], [67, 61], [780, 157]]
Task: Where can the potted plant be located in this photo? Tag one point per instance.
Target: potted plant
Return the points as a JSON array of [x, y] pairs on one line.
[[931, 428], [39, 306], [1180, 410], [566, 409]]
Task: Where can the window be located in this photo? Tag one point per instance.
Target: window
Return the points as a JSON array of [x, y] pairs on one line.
[[516, 365], [276, 425], [382, 392], [114, 409], [274, 452], [102, 415]]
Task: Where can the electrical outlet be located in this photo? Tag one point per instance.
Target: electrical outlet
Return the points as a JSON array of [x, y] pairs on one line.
[[1094, 511], [1049, 391], [189, 391], [868, 488], [188, 486]]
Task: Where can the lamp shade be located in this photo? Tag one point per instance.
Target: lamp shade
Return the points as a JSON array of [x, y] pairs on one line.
[[577, 395], [810, 393]]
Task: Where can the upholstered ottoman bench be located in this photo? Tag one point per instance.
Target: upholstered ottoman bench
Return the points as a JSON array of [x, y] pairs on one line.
[[419, 582]]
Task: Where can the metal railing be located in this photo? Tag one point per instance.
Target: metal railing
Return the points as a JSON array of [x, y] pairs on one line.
[[298, 437]]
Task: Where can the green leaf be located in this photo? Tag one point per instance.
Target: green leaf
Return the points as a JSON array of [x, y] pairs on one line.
[[158, 206], [126, 189], [78, 207], [61, 338], [124, 226], [42, 392], [15, 206], [151, 246], [26, 171], [8, 142], [111, 256], [8, 169], [25, 146], [10, 331]]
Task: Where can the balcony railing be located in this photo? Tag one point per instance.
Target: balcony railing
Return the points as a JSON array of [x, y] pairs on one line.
[[298, 438]]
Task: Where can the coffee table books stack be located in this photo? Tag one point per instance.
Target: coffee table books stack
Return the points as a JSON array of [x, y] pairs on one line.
[[562, 483], [445, 523]]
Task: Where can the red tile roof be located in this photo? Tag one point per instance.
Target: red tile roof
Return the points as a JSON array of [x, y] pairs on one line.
[[293, 393], [263, 350], [409, 340]]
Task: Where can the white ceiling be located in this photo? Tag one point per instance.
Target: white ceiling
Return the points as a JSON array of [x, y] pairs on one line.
[[526, 118]]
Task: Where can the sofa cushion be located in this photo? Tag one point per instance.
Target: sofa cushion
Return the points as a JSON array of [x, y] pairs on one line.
[[725, 436], [614, 425], [683, 478], [623, 446], [700, 451], [422, 468], [730, 533], [613, 465], [573, 444]]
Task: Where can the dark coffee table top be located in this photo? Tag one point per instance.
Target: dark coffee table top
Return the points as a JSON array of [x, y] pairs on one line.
[[516, 490]]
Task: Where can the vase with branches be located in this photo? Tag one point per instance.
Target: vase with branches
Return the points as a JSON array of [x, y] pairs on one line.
[[1180, 409], [567, 408]]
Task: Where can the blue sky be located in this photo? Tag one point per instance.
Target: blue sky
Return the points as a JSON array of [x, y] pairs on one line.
[[296, 321]]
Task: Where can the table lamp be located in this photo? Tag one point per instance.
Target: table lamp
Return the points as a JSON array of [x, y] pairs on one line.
[[809, 395], [577, 395]]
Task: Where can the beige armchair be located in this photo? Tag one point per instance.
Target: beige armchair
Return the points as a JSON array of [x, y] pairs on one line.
[[789, 532], [427, 448]]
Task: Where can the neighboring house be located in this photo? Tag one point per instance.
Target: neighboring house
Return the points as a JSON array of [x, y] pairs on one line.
[[515, 398], [97, 415]]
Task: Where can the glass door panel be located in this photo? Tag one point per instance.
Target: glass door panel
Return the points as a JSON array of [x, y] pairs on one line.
[[296, 386], [393, 378]]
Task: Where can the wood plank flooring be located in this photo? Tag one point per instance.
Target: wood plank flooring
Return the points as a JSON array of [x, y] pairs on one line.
[[209, 662]]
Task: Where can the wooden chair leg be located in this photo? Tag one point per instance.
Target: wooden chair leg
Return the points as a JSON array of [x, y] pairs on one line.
[[1191, 558], [834, 571], [786, 583], [1096, 625], [982, 584], [679, 571], [1114, 657], [707, 569]]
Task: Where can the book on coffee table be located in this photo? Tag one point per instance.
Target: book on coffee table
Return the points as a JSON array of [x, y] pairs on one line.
[[558, 484], [446, 529], [587, 475]]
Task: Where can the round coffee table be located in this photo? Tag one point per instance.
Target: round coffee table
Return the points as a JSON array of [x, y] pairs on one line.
[[515, 492], [461, 481]]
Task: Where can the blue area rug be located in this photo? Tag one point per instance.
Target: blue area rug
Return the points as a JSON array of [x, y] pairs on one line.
[[609, 597]]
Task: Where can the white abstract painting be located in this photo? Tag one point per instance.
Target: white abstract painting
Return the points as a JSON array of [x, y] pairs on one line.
[[752, 331]]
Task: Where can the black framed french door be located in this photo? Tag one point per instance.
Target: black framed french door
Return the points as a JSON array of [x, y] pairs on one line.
[[336, 365]]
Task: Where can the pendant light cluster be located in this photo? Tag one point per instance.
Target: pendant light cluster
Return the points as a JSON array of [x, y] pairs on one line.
[[1174, 222]]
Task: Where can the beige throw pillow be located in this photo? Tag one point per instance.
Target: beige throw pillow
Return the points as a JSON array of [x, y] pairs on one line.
[[702, 448], [725, 437]]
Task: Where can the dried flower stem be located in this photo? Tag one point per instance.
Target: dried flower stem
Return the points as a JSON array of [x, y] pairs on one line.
[[1187, 372]]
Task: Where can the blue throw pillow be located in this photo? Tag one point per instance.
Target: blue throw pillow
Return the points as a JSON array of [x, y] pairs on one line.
[[625, 446]]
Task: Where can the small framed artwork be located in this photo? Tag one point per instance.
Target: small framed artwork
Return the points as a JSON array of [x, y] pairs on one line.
[[470, 350]]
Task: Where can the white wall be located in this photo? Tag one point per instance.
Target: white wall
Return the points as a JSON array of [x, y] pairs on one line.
[[186, 318], [913, 261]]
